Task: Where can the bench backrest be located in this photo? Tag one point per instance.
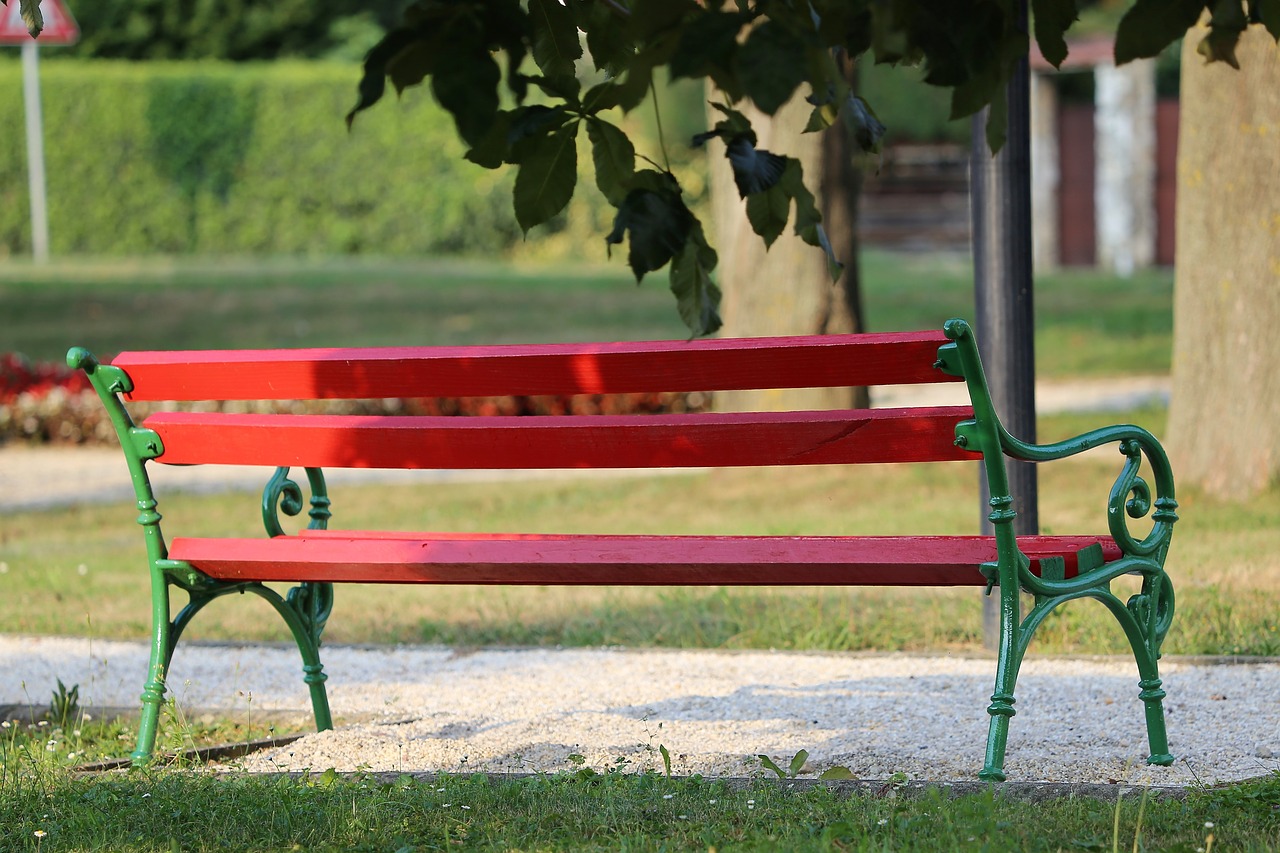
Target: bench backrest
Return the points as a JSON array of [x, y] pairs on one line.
[[596, 441]]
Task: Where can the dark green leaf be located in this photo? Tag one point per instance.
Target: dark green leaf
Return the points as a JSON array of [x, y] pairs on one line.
[[652, 17], [797, 762], [771, 64], [633, 89], [494, 147], [1052, 20], [412, 64], [998, 120], [1225, 27], [1269, 11], [563, 88], [1152, 25], [767, 212], [31, 16], [697, 296], [862, 122], [466, 84], [614, 157], [754, 169], [374, 80], [709, 40], [808, 218], [969, 97], [546, 179], [607, 38], [821, 118], [555, 38], [657, 223], [601, 97]]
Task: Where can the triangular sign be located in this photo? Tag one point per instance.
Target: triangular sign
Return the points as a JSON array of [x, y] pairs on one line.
[[59, 26]]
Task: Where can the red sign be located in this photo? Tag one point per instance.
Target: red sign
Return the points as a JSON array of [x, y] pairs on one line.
[[59, 26]]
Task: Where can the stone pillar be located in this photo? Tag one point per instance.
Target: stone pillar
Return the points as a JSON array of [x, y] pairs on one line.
[[1045, 177], [1125, 149]]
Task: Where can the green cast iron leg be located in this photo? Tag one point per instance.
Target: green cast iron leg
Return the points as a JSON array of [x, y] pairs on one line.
[[306, 633], [153, 690], [1002, 700], [1157, 738]]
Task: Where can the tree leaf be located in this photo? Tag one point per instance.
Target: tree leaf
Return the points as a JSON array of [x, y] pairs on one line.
[[709, 40], [656, 221], [697, 296], [771, 65], [1052, 20], [808, 225], [412, 64], [1269, 11], [607, 39], [1152, 25], [546, 178], [555, 38], [754, 169], [466, 84], [374, 80], [32, 16], [614, 157], [767, 212], [1225, 27], [866, 127]]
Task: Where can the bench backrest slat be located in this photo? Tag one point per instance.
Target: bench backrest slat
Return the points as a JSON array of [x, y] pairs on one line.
[[558, 369], [615, 441]]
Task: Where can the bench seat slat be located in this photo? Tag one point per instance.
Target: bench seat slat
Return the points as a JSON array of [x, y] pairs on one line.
[[602, 441], [447, 558], [481, 371]]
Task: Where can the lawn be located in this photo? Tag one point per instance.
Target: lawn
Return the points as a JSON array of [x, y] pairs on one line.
[[1089, 323]]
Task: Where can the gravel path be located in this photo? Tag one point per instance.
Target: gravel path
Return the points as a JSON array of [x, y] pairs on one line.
[[431, 708]]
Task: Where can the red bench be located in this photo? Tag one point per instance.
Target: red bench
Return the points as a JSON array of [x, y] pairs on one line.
[[1053, 569]]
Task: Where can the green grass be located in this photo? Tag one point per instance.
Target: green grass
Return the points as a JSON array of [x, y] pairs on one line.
[[598, 811], [1088, 324]]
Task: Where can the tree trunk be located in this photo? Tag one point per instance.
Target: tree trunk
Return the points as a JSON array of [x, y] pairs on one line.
[[787, 290], [1224, 418]]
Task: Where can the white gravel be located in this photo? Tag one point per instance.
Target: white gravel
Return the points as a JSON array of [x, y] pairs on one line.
[[432, 708]]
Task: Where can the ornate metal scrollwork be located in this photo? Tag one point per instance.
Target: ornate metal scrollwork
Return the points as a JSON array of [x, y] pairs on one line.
[[282, 494], [1131, 499]]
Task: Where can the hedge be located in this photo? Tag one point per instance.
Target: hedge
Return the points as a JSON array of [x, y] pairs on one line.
[[214, 158]]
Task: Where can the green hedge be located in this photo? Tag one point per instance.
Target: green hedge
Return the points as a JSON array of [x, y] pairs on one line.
[[219, 158], [215, 158]]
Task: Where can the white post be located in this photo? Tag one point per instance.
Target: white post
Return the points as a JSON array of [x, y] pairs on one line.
[[1046, 177], [35, 151]]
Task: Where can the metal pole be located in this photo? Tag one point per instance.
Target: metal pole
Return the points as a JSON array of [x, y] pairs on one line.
[[1000, 199], [35, 151]]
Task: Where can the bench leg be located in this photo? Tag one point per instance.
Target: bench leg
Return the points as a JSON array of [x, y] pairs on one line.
[[306, 610], [1002, 699]]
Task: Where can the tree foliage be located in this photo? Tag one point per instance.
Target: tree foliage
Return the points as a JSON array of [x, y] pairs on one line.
[[521, 79]]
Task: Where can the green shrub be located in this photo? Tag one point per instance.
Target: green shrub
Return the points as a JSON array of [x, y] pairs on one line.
[[220, 159]]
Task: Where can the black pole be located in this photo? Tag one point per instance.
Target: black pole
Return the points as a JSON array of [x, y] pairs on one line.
[[1000, 199]]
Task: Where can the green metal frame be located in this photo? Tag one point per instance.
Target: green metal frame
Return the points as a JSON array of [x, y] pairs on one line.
[[305, 608], [1145, 617]]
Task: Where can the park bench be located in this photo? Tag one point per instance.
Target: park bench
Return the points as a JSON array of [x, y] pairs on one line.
[[1051, 569]]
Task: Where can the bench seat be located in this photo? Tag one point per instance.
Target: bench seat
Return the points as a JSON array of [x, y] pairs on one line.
[[336, 556]]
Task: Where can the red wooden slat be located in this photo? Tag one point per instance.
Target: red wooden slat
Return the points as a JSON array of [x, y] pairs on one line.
[[612, 441], [379, 557], [706, 365]]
